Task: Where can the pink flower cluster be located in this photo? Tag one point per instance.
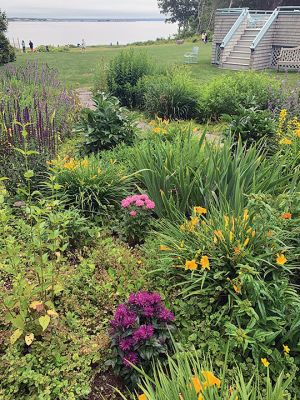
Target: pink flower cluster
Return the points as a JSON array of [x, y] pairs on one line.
[[138, 200]]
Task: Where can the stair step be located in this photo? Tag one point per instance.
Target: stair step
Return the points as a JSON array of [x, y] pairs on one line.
[[241, 54], [238, 60], [245, 49]]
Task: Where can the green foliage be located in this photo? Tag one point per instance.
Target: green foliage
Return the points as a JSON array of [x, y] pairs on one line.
[[189, 375], [92, 185], [171, 96], [124, 72], [251, 125], [13, 168], [190, 171], [51, 370], [225, 95], [106, 126]]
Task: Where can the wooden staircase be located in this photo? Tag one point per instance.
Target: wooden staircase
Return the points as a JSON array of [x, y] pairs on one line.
[[239, 58]]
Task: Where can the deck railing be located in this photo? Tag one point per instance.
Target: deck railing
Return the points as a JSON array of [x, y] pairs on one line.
[[235, 27], [264, 29]]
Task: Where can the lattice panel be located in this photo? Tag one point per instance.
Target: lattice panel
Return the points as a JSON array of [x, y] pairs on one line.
[[218, 53], [290, 59], [275, 55]]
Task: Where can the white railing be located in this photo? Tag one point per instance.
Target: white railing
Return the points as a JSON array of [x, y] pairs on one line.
[[235, 27], [264, 29]]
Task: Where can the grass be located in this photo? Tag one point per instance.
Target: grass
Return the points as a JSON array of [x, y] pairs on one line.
[[78, 69]]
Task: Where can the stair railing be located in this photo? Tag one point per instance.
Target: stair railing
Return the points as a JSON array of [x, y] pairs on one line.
[[264, 29], [235, 27]]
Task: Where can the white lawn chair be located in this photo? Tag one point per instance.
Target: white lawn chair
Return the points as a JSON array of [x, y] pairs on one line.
[[192, 57]]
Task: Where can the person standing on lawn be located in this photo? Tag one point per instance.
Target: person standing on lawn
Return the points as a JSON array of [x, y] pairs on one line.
[[31, 46], [23, 46]]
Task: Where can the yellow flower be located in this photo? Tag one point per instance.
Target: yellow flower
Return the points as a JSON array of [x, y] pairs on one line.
[[298, 132], [197, 384], [265, 362], [246, 215], [85, 163], [157, 130], [246, 242], [231, 236], [70, 165], [204, 262], [162, 247], [191, 265], [286, 349], [200, 210], [226, 218], [195, 130], [285, 141], [283, 114], [219, 234], [281, 259], [253, 234], [210, 379], [194, 221], [142, 397]]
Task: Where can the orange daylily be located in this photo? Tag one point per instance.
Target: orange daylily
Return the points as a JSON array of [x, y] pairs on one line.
[[191, 265]]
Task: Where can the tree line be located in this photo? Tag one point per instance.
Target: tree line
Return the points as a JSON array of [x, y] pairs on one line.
[[195, 16]]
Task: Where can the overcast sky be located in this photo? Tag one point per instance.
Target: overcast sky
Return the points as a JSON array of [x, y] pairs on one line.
[[80, 8]]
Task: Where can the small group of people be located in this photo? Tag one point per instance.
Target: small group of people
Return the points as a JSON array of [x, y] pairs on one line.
[[82, 46], [24, 46], [204, 37]]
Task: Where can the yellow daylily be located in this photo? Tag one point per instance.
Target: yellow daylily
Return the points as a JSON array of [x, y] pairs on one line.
[[200, 210], [286, 349], [162, 247], [285, 141], [204, 262], [265, 362], [281, 259]]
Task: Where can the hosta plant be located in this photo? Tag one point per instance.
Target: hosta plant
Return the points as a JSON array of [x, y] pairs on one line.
[[140, 333]]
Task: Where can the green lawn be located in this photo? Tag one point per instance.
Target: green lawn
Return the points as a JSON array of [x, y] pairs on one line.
[[78, 68]]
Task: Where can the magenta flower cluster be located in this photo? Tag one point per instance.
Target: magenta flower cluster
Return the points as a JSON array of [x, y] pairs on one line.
[[140, 319], [141, 201]]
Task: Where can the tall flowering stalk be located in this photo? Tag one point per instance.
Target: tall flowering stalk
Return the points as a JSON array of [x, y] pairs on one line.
[[32, 95], [139, 333]]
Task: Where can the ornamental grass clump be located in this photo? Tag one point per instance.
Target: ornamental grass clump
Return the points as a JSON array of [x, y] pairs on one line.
[[137, 213], [140, 333]]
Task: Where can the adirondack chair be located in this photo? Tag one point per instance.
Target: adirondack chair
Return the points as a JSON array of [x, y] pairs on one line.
[[192, 57]]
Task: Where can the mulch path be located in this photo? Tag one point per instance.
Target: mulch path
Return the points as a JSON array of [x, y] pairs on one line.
[[103, 387]]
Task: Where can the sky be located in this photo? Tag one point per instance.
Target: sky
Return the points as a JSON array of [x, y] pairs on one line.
[[81, 8]]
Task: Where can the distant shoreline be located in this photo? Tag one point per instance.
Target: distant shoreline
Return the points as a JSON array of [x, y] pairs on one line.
[[16, 19]]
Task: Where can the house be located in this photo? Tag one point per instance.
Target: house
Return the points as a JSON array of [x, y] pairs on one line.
[[252, 39]]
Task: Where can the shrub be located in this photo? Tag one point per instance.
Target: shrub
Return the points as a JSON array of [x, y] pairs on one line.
[[106, 126], [189, 375], [139, 333], [123, 74], [225, 94], [7, 52], [136, 216], [171, 96], [92, 185], [251, 125]]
